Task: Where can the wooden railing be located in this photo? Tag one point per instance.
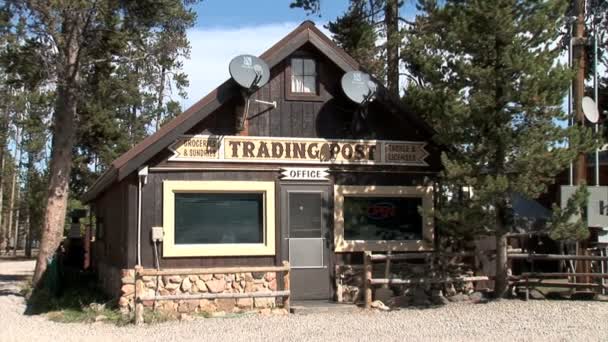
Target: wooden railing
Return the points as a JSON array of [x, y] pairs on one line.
[[369, 281], [141, 272], [534, 279]]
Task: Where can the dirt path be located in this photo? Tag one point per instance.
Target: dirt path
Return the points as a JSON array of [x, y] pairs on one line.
[[509, 320]]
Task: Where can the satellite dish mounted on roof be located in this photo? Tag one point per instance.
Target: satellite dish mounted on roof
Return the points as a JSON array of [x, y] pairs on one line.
[[590, 109], [251, 73], [360, 88]]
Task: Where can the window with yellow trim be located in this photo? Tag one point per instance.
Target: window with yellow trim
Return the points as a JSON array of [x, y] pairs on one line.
[[383, 218], [218, 218]]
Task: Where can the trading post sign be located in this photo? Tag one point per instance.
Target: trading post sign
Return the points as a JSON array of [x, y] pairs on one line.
[[205, 148]]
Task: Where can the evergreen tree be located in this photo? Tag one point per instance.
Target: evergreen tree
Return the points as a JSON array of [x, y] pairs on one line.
[[359, 30], [487, 77], [356, 33], [72, 38]]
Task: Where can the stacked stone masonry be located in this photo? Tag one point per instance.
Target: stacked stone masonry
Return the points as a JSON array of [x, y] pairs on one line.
[[195, 284], [349, 284]]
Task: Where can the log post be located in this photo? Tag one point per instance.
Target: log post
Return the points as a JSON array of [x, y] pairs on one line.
[[286, 299], [139, 306], [367, 278]]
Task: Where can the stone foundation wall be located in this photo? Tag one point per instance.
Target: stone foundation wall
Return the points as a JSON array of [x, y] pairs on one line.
[[349, 284], [193, 284]]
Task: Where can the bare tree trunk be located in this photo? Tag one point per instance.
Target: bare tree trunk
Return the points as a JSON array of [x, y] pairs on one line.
[[391, 20], [159, 105], [28, 205], [11, 204], [28, 237], [61, 148], [501, 284], [3, 233], [17, 209]]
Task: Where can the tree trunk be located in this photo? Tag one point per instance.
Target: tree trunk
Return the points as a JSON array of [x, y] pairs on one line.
[[11, 203], [59, 172], [28, 238], [3, 233], [391, 20], [17, 197], [501, 284], [61, 148], [159, 105]]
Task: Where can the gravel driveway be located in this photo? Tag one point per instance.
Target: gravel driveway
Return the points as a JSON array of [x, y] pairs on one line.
[[507, 320]]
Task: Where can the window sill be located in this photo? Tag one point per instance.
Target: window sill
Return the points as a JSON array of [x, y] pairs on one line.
[[303, 97], [218, 250], [382, 245]]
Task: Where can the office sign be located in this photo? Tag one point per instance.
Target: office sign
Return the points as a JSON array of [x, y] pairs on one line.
[[304, 173]]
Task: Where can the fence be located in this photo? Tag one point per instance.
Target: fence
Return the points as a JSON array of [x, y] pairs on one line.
[[141, 272], [534, 279], [369, 281]]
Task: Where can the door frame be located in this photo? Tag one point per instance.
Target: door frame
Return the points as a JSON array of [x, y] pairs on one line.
[[327, 216]]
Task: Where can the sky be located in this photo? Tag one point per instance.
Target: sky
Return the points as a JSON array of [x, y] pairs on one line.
[[227, 28]]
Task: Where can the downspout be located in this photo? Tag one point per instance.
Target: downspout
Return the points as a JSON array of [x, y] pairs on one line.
[[142, 174]]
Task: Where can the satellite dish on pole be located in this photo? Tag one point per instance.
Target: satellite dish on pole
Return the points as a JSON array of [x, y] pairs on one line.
[[359, 87], [251, 73], [590, 109]]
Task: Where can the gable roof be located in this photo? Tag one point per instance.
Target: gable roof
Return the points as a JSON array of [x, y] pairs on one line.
[[137, 156]]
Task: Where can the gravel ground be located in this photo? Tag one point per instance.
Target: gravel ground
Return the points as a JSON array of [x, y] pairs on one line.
[[508, 320]]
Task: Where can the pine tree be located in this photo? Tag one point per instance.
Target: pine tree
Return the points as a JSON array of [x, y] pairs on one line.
[[72, 38], [358, 31], [486, 74]]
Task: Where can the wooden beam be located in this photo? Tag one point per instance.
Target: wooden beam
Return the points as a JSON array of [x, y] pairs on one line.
[[562, 275], [219, 295], [212, 270], [426, 280], [555, 257], [367, 279]]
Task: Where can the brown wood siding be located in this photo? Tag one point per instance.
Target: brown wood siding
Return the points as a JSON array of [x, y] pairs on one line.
[[114, 208], [330, 115]]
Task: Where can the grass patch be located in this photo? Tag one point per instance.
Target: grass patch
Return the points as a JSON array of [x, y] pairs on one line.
[[78, 300]]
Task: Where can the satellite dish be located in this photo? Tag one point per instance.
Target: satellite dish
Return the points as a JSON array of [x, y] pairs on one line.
[[590, 109], [249, 71], [359, 86]]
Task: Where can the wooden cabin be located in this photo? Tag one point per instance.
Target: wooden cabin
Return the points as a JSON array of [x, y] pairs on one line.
[[314, 181]]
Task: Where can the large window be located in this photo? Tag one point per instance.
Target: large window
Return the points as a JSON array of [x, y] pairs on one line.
[[218, 218], [303, 76], [383, 218]]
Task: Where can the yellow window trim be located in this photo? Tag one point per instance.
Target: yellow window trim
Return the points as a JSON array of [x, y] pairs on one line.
[[170, 249], [424, 192]]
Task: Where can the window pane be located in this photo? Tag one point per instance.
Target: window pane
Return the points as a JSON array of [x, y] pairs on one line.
[[304, 215], [204, 218], [382, 218], [310, 84], [309, 67], [297, 84], [306, 252], [296, 66]]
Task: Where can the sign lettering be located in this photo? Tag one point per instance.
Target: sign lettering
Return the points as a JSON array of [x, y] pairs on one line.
[[295, 150]]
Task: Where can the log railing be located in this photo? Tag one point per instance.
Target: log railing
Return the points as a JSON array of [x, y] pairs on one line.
[[369, 281], [534, 279], [141, 272]]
